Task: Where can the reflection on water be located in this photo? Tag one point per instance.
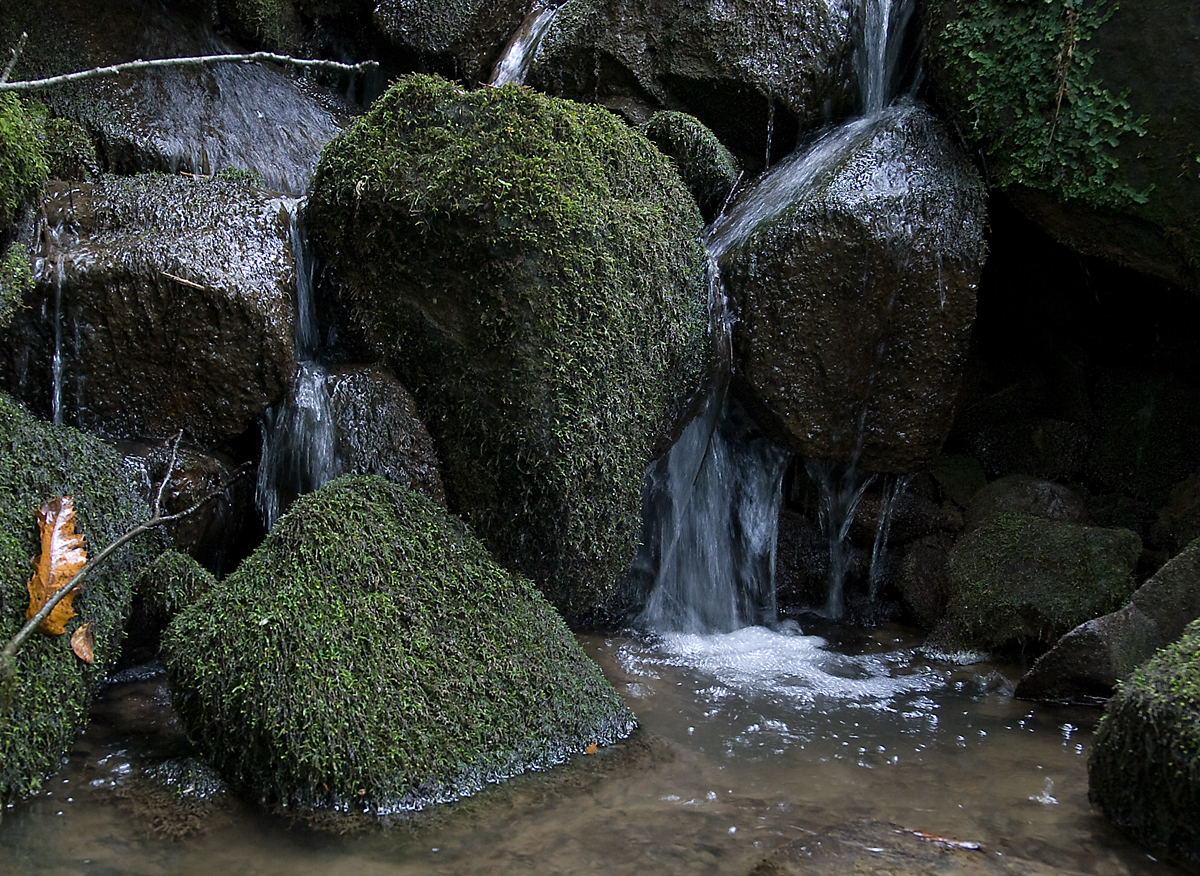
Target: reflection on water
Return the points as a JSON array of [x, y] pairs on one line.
[[751, 740]]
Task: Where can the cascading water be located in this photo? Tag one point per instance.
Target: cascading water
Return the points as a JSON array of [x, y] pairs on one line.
[[518, 55], [878, 58], [299, 450]]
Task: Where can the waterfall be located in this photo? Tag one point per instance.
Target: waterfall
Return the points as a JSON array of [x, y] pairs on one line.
[[894, 487], [878, 57], [518, 55], [299, 438]]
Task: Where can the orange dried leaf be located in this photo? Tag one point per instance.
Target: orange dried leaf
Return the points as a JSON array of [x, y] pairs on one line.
[[82, 643], [62, 555], [591, 748]]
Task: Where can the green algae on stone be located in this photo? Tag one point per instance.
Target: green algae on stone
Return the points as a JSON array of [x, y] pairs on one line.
[[708, 169], [1144, 769], [53, 687], [371, 656], [1021, 580], [531, 268]]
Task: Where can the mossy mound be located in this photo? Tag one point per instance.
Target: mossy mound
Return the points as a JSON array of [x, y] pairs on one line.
[[708, 169], [1144, 769], [531, 268], [1022, 581], [53, 687], [163, 589], [22, 158], [371, 656]]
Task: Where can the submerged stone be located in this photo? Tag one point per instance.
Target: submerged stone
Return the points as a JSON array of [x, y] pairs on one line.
[[1144, 769], [53, 688], [531, 268], [371, 656]]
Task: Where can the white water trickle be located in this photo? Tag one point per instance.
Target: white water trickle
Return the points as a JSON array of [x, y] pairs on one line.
[[878, 58], [842, 487], [57, 362], [894, 487], [518, 55]]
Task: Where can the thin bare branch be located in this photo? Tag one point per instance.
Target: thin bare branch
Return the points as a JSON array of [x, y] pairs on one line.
[[195, 61], [162, 485], [16, 54]]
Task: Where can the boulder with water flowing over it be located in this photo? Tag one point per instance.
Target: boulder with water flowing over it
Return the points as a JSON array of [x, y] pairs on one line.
[[1088, 661], [202, 120], [531, 268], [1084, 113], [1144, 768], [372, 656], [754, 71], [853, 267], [48, 704], [1022, 582], [167, 303]]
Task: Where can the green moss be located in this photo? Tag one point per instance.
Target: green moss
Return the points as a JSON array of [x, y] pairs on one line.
[[708, 169], [38, 462], [1023, 581], [169, 584], [273, 24], [22, 158], [1024, 68], [16, 278], [532, 269], [370, 655], [1144, 769]]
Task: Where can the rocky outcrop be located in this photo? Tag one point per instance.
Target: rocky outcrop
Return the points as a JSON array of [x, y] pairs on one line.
[[853, 268], [531, 270], [46, 704], [1144, 769], [1087, 662], [371, 656], [1022, 494], [1022, 582], [201, 120], [169, 303], [755, 72], [461, 38], [1111, 170]]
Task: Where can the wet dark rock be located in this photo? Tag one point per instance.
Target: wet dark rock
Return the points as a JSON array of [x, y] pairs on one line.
[[176, 308], [380, 432], [1144, 768], [1023, 494], [1089, 660], [201, 119], [855, 303], [1084, 191], [923, 578], [460, 38], [801, 562], [70, 153], [531, 269], [755, 72], [909, 517], [1022, 581], [708, 169], [958, 478], [368, 600], [52, 690], [1179, 520]]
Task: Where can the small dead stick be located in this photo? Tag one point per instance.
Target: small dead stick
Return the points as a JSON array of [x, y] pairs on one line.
[[195, 61], [16, 54], [157, 518]]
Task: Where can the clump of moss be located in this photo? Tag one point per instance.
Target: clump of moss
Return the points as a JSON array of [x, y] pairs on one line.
[[1021, 582], [371, 656], [1144, 769], [274, 24], [532, 270], [168, 585], [708, 169], [1024, 69], [53, 687], [16, 278], [22, 158]]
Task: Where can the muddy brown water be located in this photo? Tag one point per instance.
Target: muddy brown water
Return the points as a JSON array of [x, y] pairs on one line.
[[750, 743]]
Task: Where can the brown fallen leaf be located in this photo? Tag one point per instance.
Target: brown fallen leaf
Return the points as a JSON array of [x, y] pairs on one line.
[[82, 643], [62, 555], [591, 748]]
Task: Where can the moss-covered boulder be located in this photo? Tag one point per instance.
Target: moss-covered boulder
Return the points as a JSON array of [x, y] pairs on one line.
[[53, 688], [461, 38], [706, 166], [1022, 581], [1083, 112], [531, 268], [22, 158], [1144, 769], [370, 655]]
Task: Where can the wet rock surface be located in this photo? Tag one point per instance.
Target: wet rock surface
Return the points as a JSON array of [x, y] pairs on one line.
[[1022, 494], [855, 301], [461, 39], [173, 309]]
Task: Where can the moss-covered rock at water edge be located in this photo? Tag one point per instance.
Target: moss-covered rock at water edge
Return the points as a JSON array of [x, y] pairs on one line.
[[53, 687], [531, 268], [708, 169], [371, 656], [22, 158], [1144, 769]]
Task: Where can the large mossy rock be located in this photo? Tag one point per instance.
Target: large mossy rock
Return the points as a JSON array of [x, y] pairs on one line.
[[1144, 769], [53, 688], [370, 655], [1022, 581], [531, 268], [853, 267], [174, 308], [1083, 113]]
